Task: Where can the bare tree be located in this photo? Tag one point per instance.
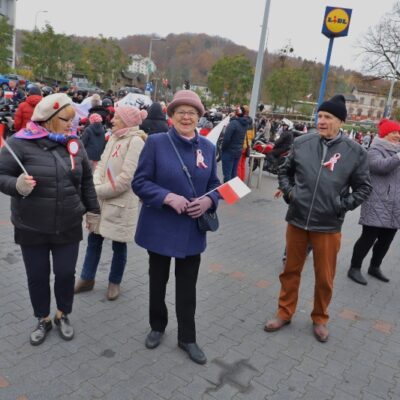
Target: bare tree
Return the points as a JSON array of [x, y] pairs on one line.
[[380, 47]]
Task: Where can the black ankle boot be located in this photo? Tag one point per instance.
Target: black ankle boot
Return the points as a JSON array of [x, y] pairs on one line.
[[39, 334], [64, 326], [355, 275], [194, 352], [377, 273]]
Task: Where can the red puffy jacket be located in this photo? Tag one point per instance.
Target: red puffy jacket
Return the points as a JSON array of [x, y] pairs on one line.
[[25, 110]]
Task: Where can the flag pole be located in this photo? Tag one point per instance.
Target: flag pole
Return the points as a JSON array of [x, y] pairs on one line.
[[15, 157], [205, 194]]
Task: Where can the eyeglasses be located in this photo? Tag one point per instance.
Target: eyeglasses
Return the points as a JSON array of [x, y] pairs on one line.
[[65, 119], [190, 114]]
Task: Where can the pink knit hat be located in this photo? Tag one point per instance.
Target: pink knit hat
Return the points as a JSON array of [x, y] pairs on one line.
[[93, 118], [185, 98], [130, 115]]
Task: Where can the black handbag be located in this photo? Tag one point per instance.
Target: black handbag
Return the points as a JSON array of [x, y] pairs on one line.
[[209, 220]]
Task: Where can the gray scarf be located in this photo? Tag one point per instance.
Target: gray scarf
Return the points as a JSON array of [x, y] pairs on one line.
[[385, 144]]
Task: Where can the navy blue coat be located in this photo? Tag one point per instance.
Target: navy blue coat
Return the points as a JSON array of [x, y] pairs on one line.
[[234, 136], [160, 229], [94, 140]]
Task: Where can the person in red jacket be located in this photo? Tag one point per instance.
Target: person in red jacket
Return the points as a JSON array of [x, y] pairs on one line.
[[25, 109]]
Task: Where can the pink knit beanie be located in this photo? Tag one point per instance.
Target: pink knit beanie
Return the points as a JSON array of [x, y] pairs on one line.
[[130, 115], [93, 118], [185, 98]]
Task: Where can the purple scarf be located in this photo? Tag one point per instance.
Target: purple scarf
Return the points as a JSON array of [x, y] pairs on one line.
[[36, 131]]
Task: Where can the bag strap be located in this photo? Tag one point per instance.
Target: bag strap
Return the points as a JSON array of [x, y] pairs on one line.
[[65, 167], [184, 167]]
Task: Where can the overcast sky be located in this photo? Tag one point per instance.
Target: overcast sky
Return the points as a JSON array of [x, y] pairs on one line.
[[296, 21]]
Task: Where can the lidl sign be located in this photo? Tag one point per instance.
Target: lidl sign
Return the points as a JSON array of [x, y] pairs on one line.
[[336, 22]]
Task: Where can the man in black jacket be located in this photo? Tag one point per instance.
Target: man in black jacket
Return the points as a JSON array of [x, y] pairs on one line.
[[316, 180]]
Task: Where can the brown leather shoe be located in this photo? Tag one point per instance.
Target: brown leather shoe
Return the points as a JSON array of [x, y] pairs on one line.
[[113, 291], [275, 324], [321, 332], [84, 285]]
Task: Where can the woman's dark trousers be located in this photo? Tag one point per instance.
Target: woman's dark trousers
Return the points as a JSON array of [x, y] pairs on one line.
[[186, 272], [379, 239], [37, 265]]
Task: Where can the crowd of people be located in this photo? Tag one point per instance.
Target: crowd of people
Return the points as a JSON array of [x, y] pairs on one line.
[[148, 175]]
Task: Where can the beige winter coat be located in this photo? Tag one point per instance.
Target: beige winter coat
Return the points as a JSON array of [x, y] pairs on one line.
[[119, 205]]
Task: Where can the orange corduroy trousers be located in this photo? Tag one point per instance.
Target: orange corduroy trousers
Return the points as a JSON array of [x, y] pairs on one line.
[[325, 249]]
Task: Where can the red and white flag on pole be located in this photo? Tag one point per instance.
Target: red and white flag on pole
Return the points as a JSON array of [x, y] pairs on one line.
[[233, 190], [111, 176]]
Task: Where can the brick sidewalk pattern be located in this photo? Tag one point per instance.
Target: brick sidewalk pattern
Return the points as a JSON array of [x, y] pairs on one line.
[[237, 291]]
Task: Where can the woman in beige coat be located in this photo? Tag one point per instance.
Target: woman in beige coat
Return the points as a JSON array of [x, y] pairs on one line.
[[119, 205]]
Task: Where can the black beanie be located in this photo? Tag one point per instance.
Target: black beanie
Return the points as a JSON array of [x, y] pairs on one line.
[[335, 106]]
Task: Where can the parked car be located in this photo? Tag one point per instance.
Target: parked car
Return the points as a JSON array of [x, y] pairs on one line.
[[123, 91], [87, 87], [4, 82], [4, 79]]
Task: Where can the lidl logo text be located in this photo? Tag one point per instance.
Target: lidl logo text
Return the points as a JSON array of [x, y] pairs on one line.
[[337, 20]]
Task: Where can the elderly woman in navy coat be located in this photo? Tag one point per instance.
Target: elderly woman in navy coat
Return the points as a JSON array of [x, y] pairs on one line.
[[167, 225]]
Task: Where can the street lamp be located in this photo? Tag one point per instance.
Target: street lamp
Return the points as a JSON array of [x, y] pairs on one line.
[[388, 107], [260, 58], [149, 61], [36, 16]]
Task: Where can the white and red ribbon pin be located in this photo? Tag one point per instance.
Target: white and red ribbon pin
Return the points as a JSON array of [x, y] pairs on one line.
[[115, 152], [331, 163], [200, 159], [73, 149]]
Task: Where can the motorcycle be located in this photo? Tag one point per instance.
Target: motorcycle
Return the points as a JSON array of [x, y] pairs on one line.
[[7, 112], [261, 145]]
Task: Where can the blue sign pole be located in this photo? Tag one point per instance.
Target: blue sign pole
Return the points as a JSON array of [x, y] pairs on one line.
[[325, 76]]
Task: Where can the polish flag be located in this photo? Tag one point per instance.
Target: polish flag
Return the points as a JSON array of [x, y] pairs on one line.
[[233, 190], [111, 176]]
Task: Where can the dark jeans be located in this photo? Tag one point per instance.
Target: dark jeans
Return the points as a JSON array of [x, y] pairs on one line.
[[93, 254], [229, 166], [186, 272], [37, 265], [379, 238]]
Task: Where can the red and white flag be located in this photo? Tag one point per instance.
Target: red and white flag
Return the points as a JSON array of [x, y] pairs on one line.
[[233, 190], [111, 176]]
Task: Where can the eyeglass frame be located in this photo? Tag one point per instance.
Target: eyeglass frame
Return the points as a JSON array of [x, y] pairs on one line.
[[190, 114]]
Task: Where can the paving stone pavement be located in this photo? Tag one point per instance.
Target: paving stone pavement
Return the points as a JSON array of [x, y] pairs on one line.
[[237, 290]]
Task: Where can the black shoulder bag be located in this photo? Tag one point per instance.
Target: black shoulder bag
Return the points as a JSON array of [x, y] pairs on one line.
[[209, 220]]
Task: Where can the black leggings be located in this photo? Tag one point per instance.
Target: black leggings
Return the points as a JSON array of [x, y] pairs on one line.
[[379, 238], [37, 265], [186, 272]]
